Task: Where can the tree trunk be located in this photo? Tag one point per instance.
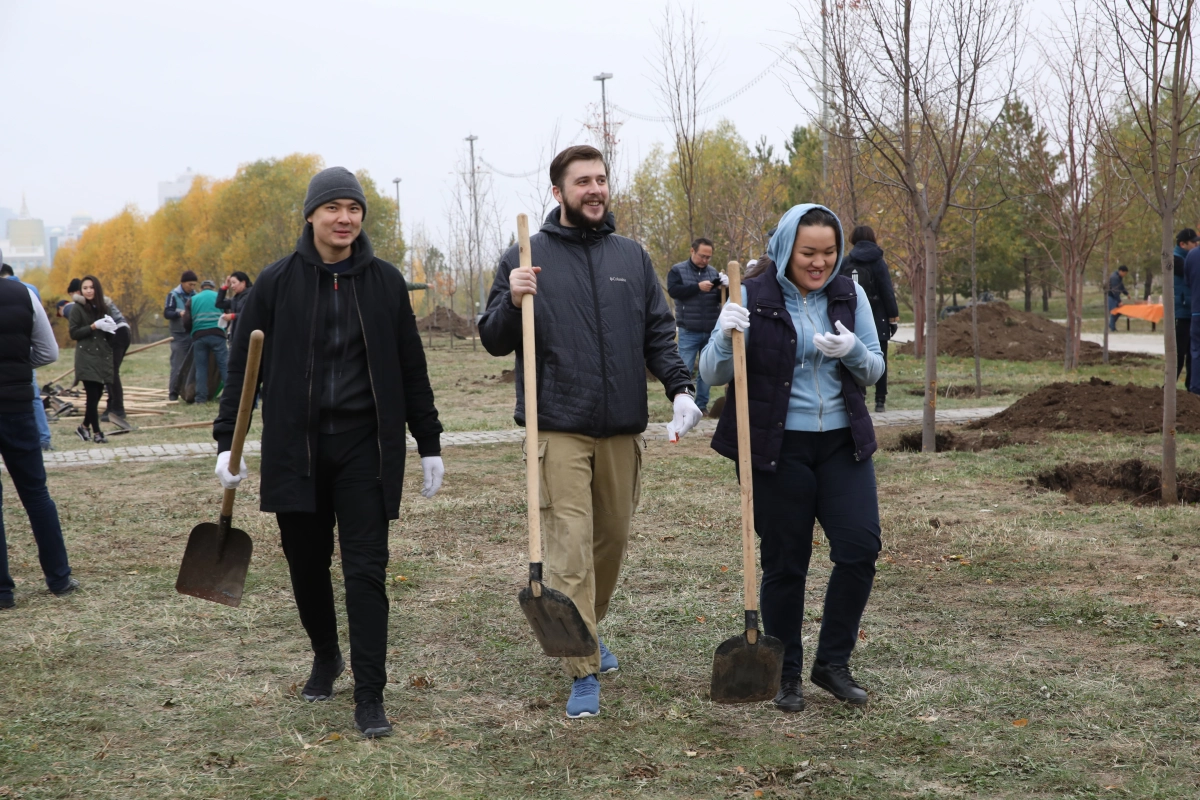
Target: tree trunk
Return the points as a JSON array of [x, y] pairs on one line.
[[929, 419], [1028, 284], [975, 305], [1169, 488], [917, 284]]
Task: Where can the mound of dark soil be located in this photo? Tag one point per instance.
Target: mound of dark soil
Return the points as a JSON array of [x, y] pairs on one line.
[[1095, 406], [445, 320], [947, 441], [1007, 334], [1132, 481]]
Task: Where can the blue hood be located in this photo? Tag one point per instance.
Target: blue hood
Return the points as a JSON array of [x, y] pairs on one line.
[[780, 246]]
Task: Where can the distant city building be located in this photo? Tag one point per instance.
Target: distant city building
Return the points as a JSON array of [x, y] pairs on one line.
[[25, 245], [176, 189], [57, 235]]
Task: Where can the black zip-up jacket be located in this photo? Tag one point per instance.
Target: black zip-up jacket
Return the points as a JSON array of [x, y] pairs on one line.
[[600, 321], [288, 304], [867, 258]]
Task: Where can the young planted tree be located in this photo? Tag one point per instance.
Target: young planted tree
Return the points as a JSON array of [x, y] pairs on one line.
[[923, 86], [1151, 59]]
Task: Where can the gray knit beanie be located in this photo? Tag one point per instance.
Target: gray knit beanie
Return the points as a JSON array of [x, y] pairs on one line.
[[334, 183]]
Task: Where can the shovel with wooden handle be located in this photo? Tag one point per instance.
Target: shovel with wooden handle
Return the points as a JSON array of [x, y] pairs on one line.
[[555, 620], [746, 668], [218, 555]]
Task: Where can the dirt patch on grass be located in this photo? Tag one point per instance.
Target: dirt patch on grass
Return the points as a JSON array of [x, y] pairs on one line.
[[1011, 335], [1097, 405], [1132, 481], [973, 442], [959, 390], [445, 320]]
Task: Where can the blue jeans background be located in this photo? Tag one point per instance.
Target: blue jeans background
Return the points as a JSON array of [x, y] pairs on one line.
[[22, 454], [200, 350], [1113, 302], [39, 415], [690, 345]]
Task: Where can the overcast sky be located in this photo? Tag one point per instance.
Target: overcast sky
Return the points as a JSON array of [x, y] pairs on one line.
[[101, 101]]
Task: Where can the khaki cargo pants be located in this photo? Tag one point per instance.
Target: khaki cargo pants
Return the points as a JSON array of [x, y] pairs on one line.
[[589, 491]]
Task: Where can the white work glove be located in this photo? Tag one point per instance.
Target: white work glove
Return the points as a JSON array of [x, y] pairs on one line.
[[733, 317], [106, 324], [835, 345], [687, 414], [434, 471], [227, 479], [724, 278]]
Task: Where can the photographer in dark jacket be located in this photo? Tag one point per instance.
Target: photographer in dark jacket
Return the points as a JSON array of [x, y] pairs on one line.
[[695, 286], [601, 322], [343, 370], [866, 267]]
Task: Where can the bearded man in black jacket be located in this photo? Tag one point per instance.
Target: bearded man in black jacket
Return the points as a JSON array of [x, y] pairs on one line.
[[601, 322], [343, 370]]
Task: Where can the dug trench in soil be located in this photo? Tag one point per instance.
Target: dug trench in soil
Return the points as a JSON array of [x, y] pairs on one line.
[[1006, 334], [1133, 481], [946, 441], [1096, 405]]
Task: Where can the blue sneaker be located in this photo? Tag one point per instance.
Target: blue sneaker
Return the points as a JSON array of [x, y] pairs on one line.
[[608, 662], [585, 698]]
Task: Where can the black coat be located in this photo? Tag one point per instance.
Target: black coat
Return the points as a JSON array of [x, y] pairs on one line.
[[600, 321], [695, 310], [287, 305], [16, 339], [867, 258]]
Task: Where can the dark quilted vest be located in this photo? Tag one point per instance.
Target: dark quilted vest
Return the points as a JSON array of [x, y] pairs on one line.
[[16, 337], [698, 313], [770, 361]]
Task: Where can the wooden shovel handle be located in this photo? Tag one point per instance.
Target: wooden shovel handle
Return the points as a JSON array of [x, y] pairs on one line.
[[249, 387], [529, 359], [741, 407]]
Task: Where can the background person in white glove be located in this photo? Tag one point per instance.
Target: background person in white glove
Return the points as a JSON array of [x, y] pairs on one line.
[[335, 405], [592, 409], [810, 350], [89, 324]]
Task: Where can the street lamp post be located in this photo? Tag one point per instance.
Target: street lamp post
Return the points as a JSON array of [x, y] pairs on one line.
[[602, 77], [397, 182]]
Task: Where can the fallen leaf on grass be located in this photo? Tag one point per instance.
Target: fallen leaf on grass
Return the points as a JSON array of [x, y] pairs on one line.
[[420, 681], [400, 578], [862, 634], [1020, 723], [667, 539], [724, 569], [758, 793], [931, 718], [690, 753], [1180, 623], [699, 619]]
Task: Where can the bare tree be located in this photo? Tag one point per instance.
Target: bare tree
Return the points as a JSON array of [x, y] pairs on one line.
[[682, 73], [1152, 61], [923, 86]]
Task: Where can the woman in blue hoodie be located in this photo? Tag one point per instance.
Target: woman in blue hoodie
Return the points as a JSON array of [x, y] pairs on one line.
[[812, 351]]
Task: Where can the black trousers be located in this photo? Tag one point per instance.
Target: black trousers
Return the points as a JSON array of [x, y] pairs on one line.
[[116, 395], [817, 480], [348, 493], [881, 384], [92, 391], [1183, 349]]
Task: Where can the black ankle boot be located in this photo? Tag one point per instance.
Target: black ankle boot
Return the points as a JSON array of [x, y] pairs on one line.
[[371, 720], [320, 680], [837, 680], [790, 699]]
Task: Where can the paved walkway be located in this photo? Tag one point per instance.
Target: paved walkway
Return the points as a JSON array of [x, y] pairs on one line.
[[1119, 342], [98, 456]]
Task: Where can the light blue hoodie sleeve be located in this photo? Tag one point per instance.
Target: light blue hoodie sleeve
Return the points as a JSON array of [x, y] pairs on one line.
[[865, 361], [716, 359]]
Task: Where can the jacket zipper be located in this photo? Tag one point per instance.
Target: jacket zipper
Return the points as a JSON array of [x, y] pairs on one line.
[[371, 378], [599, 334], [312, 341], [816, 377]]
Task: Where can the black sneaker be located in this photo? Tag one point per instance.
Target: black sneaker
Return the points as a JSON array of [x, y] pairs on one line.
[[371, 720], [880, 407], [99, 438], [172, 397], [82, 433], [837, 680], [790, 698], [70, 588], [7, 602], [320, 680]]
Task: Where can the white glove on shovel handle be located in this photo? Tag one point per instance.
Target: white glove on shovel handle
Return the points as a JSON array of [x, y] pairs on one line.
[[687, 414], [733, 317], [434, 472], [227, 479], [835, 345]]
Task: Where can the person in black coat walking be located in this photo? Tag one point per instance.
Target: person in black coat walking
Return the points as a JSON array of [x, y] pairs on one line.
[[865, 265], [343, 370]]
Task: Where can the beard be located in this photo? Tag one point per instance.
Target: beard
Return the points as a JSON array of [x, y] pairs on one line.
[[576, 217]]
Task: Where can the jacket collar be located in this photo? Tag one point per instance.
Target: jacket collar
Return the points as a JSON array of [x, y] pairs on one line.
[[361, 253], [554, 227]]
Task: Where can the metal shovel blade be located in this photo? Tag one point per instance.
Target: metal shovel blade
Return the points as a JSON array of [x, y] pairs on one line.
[[556, 622], [745, 672], [215, 563]]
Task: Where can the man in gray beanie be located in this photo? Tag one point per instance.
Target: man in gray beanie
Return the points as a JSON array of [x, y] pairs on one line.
[[345, 372]]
